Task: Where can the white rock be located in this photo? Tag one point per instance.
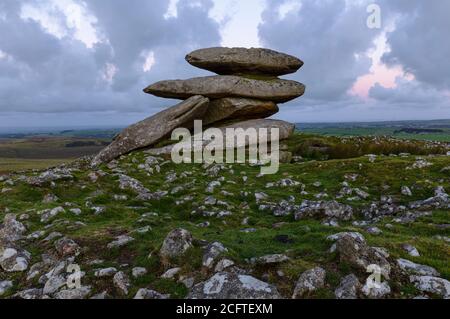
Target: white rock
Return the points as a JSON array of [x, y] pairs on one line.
[[169, 274], [5, 286], [416, 269], [376, 292], [106, 272], [309, 281], [411, 250], [138, 272], [432, 285], [122, 282]]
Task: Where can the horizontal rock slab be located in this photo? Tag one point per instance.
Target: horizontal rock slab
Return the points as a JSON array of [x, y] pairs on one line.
[[153, 129], [223, 86], [238, 108], [285, 131], [256, 61]]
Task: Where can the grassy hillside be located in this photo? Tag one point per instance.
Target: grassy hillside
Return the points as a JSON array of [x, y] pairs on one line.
[[246, 230]]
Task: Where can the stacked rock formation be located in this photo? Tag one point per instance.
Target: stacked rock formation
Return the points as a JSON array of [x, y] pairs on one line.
[[244, 94]]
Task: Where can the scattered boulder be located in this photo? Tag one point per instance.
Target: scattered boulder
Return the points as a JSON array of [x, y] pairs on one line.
[[224, 285], [411, 250], [49, 214], [176, 243], [14, 260], [212, 252], [223, 264], [105, 272], [149, 294], [270, 259], [11, 230], [171, 273], [67, 247], [138, 272], [309, 281], [74, 294], [324, 209], [416, 269], [378, 291], [349, 288], [122, 282], [354, 251], [120, 242], [434, 285], [5, 286]]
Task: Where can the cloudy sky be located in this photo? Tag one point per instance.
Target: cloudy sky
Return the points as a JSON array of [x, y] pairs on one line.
[[74, 62]]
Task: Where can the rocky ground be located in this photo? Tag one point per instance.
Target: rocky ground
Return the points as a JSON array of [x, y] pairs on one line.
[[143, 227]]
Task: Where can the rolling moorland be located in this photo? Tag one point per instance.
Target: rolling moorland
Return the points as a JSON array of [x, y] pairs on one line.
[[143, 227]]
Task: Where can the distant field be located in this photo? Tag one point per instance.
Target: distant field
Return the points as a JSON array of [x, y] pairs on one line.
[[49, 147], [19, 164], [442, 136], [38, 152]]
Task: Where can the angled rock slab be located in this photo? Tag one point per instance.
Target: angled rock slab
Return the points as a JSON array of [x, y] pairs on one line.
[[238, 109], [285, 131], [222, 86], [255, 61], [153, 129]]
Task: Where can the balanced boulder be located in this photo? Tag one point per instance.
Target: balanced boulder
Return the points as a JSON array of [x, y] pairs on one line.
[[227, 61], [238, 109], [245, 93], [285, 130], [154, 129], [222, 86]]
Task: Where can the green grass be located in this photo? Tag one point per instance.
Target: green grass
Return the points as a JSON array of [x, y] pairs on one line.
[[307, 246]]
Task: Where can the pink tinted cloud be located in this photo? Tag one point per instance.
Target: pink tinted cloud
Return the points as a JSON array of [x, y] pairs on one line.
[[379, 72]]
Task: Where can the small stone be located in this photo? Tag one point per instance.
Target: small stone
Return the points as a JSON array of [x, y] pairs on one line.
[[75, 211], [270, 259], [105, 272], [120, 241], [176, 243], [213, 251], [5, 286], [224, 285], [149, 294], [434, 285], [406, 191], [67, 247], [171, 273], [411, 250], [376, 291], [309, 281], [416, 269], [74, 294], [348, 288], [122, 282], [138, 272], [374, 231], [223, 264]]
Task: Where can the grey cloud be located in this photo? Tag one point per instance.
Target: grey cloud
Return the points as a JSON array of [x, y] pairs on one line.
[[45, 74], [328, 35], [420, 42]]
